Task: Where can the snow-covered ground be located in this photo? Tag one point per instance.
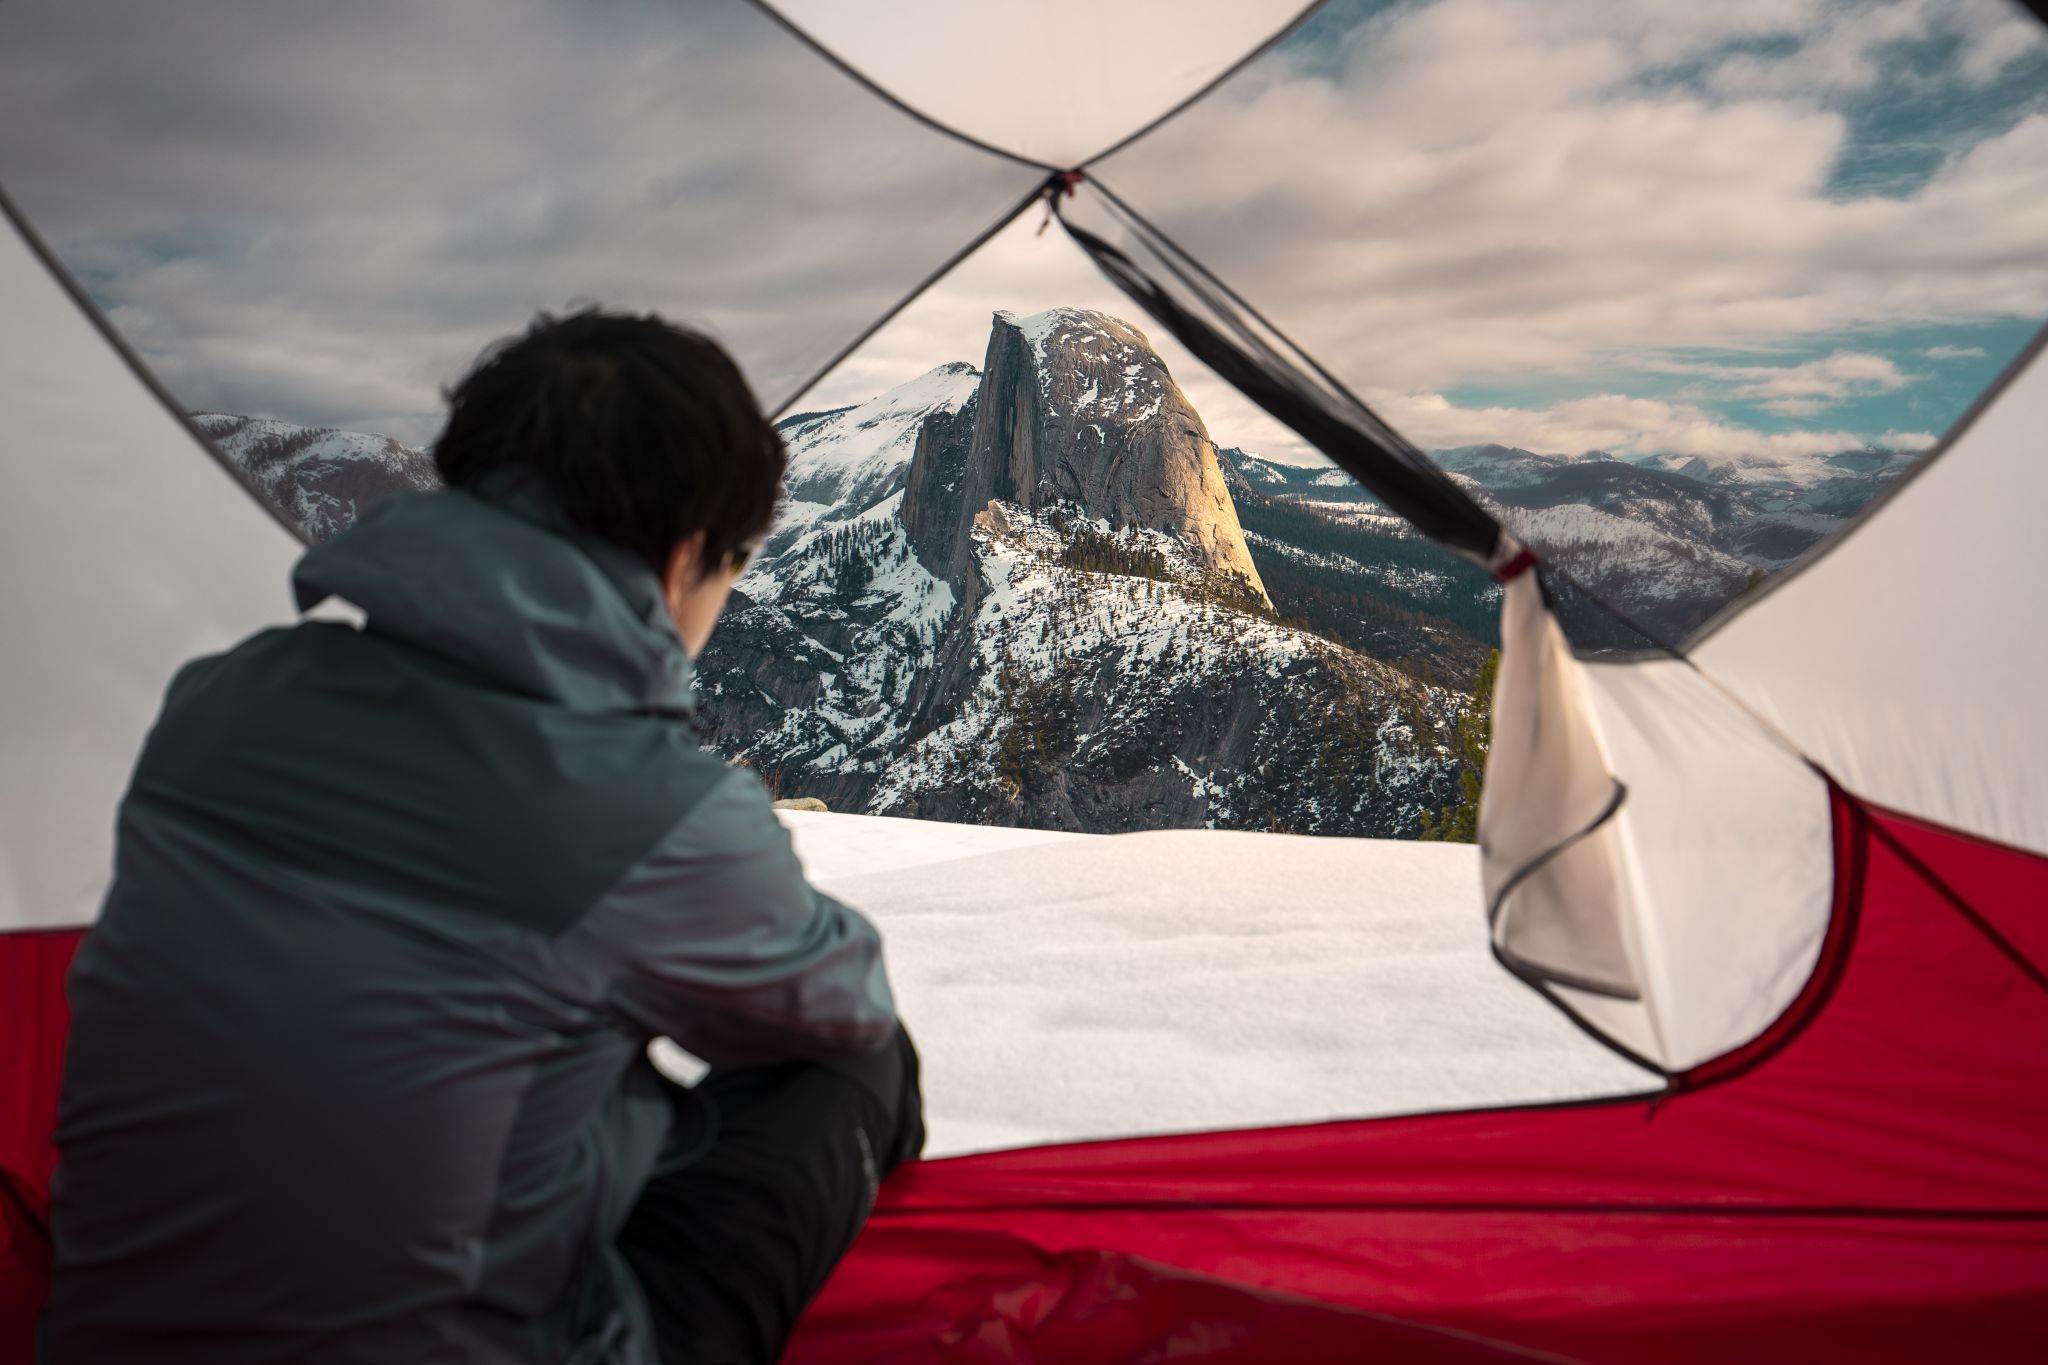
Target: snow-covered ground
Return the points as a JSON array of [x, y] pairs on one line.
[[1067, 986]]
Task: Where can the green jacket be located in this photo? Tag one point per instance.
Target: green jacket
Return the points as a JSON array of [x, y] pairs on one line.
[[357, 1070]]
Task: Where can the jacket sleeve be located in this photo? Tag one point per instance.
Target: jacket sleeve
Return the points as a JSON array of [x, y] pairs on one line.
[[723, 946]]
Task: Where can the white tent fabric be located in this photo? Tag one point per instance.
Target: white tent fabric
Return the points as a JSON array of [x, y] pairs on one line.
[[1698, 903], [1938, 714], [126, 551], [1706, 895], [1555, 897], [1057, 81]]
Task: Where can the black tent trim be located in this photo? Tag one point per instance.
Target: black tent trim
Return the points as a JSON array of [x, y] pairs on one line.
[[945, 268], [1187, 268], [888, 97], [1524, 967], [1336, 423], [897, 102], [1397, 451]]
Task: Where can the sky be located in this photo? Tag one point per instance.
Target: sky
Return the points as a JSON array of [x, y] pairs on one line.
[[1574, 225], [1759, 226]]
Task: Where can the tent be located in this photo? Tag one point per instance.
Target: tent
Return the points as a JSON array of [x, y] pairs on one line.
[[1796, 865]]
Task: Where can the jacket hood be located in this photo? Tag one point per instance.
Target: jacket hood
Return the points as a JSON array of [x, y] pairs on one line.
[[497, 579]]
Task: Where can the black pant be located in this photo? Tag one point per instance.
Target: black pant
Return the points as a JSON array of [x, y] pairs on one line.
[[768, 1177]]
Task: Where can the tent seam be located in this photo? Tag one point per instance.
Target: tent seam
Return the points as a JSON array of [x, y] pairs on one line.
[[2020, 962], [1870, 1212], [889, 97], [917, 291], [1279, 36]]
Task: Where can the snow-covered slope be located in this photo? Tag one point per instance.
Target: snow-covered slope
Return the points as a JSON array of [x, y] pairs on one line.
[[844, 463], [1667, 540], [1629, 562], [1502, 467], [1106, 699], [1785, 474], [321, 477], [1080, 986]]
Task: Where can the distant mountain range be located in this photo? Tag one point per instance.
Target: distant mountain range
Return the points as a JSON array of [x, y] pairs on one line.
[[320, 476], [1035, 592], [1667, 541]]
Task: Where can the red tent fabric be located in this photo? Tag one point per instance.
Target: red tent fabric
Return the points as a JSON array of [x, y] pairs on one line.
[[34, 1018], [1869, 1181]]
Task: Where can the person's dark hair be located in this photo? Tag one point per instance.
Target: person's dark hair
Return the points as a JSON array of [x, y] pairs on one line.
[[643, 433]]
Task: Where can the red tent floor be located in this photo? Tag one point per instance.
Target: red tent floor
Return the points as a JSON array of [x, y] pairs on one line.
[[1868, 1181]]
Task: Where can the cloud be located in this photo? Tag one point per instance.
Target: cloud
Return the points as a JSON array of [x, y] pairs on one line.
[[1852, 48], [324, 214], [1953, 352], [1503, 191], [1836, 376], [1024, 271], [1511, 189], [1800, 390], [1617, 423]]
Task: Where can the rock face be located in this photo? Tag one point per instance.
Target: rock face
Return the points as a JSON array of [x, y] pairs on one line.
[[1076, 410]]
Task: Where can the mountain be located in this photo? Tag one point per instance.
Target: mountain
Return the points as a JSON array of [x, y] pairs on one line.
[[1076, 410], [1036, 592], [1036, 604], [1334, 561], [845, 462], [1666, 540], [321, 477]]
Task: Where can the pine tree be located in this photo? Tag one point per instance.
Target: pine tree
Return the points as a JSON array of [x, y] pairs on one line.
[[1459, 824]]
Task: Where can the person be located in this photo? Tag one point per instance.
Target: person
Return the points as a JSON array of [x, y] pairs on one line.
[[358, 1070]]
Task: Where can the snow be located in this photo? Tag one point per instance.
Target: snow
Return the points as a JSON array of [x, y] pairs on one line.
[[242, 436], [859, 713], [1065, 986], [1425, 582], [835, 847], [1769, 471], [1145, 381], [847, 465], [1600, 545], [1039, 328], [1037, 614]]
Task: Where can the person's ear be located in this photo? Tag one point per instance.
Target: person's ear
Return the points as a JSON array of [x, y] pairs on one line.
[[685, 571]]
